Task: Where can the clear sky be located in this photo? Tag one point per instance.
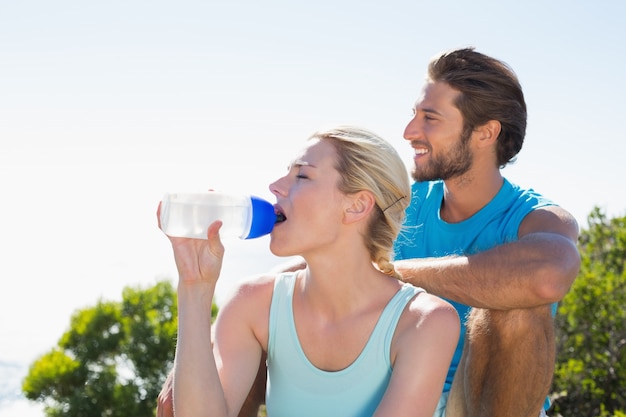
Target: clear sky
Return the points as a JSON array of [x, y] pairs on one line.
[[104, 106]]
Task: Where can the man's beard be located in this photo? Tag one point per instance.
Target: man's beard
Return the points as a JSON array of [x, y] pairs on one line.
[[453, 163]]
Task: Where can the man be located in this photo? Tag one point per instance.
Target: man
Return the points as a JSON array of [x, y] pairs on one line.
[[502, 255], [483, 242]]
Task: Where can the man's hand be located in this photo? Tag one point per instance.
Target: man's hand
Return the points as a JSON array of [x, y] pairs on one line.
[[165, 399]]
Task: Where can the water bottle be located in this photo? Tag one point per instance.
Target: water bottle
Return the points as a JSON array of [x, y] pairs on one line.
[[190, 214]]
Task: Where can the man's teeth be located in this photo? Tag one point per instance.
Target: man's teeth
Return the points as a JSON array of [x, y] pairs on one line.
[[421, 151]]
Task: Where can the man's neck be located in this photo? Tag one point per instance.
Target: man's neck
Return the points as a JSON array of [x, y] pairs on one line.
[[465, 195]]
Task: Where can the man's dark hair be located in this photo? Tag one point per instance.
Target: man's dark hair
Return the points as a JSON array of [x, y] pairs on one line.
[[489, 90]]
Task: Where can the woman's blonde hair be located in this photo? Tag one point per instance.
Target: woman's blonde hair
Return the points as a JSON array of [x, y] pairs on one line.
[[365, 161]]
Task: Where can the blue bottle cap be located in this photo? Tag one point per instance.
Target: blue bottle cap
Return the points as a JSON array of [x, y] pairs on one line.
[[263, 218]]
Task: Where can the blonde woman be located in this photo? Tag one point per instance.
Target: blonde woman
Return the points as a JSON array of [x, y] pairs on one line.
[[343, 336]]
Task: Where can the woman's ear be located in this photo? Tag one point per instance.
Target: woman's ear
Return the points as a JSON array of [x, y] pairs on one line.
[[359, 205]]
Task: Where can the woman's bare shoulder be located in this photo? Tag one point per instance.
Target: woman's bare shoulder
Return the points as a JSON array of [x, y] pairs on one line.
[[430, 310], [428, 321], [252, 287], [247, 306]]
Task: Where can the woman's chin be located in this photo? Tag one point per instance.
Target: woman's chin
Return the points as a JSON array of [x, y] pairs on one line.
[[278, 250]]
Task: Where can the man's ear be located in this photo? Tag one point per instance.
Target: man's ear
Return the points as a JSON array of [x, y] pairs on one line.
[[487, 133], [359, 205]]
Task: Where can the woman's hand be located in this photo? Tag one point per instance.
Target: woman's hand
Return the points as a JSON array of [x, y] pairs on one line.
[[198, 260]]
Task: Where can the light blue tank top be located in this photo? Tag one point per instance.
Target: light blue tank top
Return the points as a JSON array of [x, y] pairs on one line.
[[295, 387], [426, 235]]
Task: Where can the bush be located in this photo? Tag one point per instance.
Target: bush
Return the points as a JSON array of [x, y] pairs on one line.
[[590, 374]]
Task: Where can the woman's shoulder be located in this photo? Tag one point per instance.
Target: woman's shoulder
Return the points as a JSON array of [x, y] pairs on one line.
[[247, 304], [251, 288], [256, 290], [429, 311], [428, 321]]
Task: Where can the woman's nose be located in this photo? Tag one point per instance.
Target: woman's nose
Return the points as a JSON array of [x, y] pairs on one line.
[[275, 188]]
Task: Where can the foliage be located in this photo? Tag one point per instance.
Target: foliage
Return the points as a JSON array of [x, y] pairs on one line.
[[113, 360], [590, 375]]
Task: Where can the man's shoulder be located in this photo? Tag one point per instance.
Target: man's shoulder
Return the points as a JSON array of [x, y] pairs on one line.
[[526, 198], [522, 189]]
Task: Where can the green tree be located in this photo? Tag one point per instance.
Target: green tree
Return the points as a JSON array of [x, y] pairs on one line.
[[590, 375], [113, 360]]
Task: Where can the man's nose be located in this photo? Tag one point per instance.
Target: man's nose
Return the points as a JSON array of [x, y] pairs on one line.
[[413, 129]]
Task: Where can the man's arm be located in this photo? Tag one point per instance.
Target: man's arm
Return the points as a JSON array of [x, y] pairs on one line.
[[538, 269]]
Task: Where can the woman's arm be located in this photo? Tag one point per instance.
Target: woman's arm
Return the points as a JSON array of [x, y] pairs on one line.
[[210, 374]]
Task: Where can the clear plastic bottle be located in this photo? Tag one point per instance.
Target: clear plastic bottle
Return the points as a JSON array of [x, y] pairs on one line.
[[190, 214]]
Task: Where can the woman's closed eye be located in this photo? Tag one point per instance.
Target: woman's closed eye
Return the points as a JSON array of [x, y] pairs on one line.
[[300, 171]]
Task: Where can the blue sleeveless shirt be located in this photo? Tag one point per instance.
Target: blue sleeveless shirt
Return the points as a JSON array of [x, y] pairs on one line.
[[295, 387], [426, 235]]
